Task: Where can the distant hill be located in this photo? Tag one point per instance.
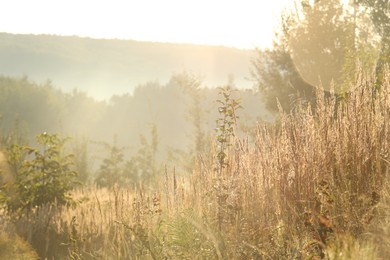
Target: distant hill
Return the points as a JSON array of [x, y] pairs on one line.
[[103, 67]]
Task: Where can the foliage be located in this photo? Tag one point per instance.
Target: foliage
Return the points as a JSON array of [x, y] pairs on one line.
[[320, 45], [379, 11], [141, 167], [192, 86], [81, 162], [41, 177], [318, 41], [111, 168], [22, 100], [226, 123], [144, 164], [278, 80], [178, 112]]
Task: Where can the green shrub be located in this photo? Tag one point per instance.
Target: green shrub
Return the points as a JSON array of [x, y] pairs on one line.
[[41, 177]]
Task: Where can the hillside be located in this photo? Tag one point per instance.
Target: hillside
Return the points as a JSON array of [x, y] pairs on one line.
[[106, 67]]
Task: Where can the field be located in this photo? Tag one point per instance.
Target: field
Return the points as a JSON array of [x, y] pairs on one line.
[[312, 185]]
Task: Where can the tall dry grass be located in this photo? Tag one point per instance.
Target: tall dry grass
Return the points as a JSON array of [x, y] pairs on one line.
[[313, 185]]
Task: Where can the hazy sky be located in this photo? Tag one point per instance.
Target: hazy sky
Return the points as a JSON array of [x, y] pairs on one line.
[[236, 23]]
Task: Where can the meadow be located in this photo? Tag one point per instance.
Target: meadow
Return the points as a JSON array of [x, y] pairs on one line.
[[312, 185]]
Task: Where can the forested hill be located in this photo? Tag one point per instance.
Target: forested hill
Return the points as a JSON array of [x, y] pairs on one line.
[[106, 67]]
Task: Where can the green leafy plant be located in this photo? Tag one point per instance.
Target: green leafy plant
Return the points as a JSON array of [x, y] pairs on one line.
[[41, 176], [226, 123]]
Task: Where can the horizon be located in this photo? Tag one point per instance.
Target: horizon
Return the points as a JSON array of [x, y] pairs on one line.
[[106, 67], [120, 39], [245, 24]]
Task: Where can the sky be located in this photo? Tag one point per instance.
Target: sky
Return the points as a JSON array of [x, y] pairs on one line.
[[234, 23]]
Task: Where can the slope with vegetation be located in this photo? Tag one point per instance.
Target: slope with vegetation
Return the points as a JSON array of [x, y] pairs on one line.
[[107, 67]]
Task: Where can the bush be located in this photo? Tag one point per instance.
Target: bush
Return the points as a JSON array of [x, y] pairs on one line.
[[41, 177]]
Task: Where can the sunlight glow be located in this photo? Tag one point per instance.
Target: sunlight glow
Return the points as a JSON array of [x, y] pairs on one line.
[[233, 23]]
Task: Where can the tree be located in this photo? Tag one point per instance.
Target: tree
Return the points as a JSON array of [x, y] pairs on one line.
[[141, 167], [112, 167], [145, 161], [80, 149], [41, 176], [379, 11], [278, 79], [191, 85], [318, 40], [319, 44]]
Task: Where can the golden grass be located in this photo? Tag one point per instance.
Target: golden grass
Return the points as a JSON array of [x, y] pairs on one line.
[[13, 247], [313, 185]]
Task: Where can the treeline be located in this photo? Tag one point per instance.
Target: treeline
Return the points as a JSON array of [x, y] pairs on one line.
[[177, 116]]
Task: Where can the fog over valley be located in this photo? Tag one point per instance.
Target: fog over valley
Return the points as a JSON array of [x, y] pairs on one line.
[[118, 91], [103, 68]]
